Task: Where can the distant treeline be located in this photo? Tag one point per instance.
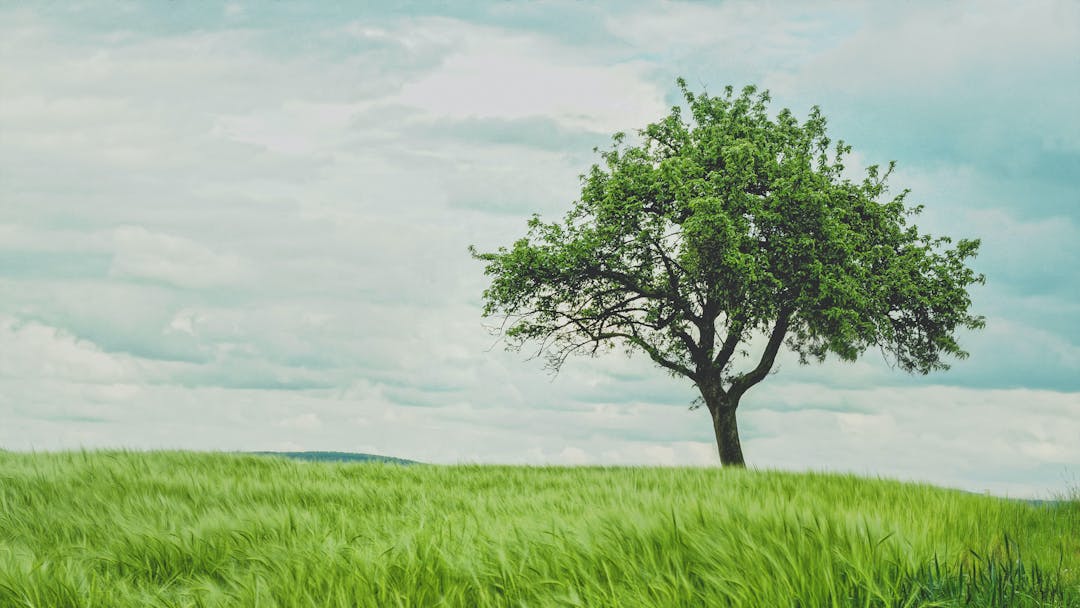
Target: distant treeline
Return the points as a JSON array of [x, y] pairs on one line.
[[337, 457]]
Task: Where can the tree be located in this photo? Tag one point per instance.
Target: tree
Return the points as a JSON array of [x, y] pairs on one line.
[[731, 232]]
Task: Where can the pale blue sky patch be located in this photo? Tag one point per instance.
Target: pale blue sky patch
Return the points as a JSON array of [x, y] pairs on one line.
[[243, 226]]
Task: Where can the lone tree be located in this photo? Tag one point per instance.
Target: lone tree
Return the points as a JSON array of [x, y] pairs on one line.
[[713, 243]]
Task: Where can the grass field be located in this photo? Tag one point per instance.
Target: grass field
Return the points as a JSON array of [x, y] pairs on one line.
[[107, 529]]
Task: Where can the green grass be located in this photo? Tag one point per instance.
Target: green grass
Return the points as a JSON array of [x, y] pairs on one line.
[[107, 529]]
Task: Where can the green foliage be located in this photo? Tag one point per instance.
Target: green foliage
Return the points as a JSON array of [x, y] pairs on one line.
[[181, 529], [728, 224]]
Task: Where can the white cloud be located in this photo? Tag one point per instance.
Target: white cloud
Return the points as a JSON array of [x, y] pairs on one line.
[[23, 238], [493, 73], [295, 128], [737, 32], [1030, 343], [234, 9], [184, 322], [659, 454], [930, 48], [946, 435], [953, 70], [303, 422], [857, 424], [34, 350], [573, 455], [142, 254]]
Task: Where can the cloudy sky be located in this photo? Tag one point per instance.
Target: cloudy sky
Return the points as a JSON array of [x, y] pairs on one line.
[[244, 226]]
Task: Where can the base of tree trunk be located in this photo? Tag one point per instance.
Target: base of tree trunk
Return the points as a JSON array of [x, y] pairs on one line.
[[727, 437]]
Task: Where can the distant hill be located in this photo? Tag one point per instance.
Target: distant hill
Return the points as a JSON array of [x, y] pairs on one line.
[[336, 457]]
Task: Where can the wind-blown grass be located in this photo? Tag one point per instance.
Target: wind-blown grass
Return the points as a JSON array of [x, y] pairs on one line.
[[187, 529]]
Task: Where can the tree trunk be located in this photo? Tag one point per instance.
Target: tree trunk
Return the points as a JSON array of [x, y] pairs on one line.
[[727, 434]]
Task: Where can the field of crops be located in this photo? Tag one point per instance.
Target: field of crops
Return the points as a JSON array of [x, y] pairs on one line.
[[192, 529]]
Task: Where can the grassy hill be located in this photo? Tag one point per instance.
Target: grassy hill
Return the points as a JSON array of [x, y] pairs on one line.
[[189, 529]]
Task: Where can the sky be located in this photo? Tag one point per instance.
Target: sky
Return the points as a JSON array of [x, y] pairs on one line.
[[244, 226]]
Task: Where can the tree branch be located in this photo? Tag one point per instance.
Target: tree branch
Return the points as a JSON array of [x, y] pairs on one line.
[[776, 338], [635, 339], [627, 282], [670, 265], [656, 356], [734, 336]]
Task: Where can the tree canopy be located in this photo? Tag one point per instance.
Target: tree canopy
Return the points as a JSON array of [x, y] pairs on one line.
[[726, 229]]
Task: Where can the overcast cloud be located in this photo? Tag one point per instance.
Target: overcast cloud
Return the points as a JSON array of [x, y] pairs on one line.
[[244, 227]]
